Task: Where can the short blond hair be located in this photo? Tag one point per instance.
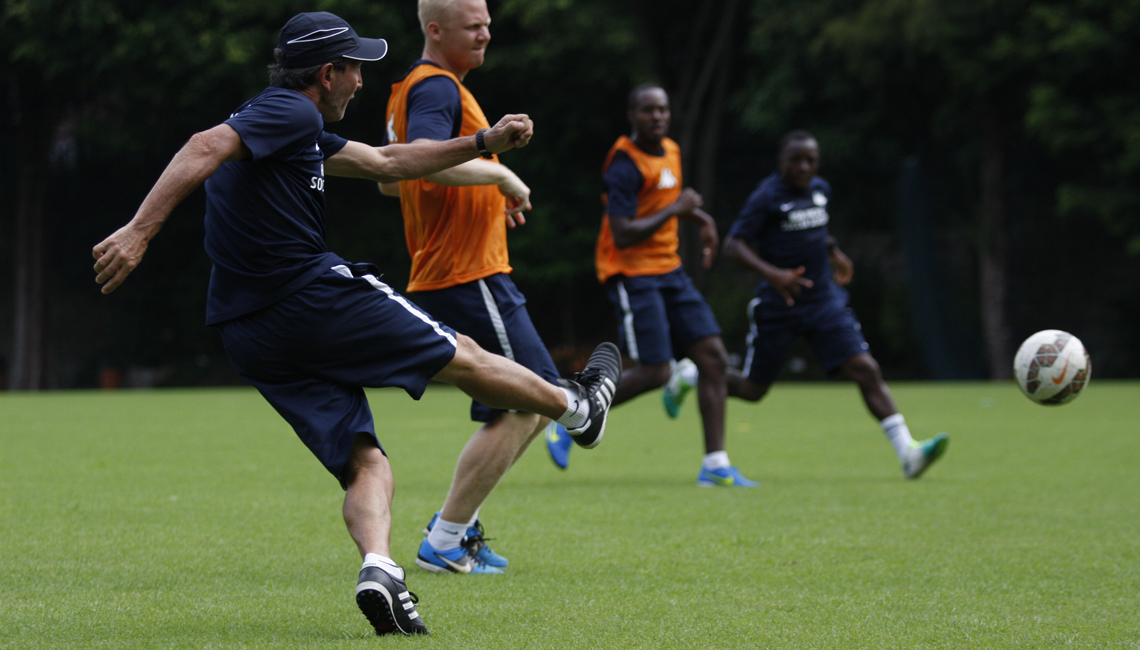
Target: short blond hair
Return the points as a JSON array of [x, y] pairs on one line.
[[432, 11]]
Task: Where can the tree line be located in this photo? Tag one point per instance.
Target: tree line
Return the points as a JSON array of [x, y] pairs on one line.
[[984, 153]]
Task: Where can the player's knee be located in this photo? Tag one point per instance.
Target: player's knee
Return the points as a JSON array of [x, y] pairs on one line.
[[752, 392], [365, 460], [863, 369], [710, 355], [466, 362], [657, 374]]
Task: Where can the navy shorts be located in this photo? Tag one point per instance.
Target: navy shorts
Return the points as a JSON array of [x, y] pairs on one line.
[[659, 316], [830, 326], [492, 311], [311, 354]]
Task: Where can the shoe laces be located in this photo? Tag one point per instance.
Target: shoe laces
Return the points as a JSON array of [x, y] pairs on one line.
[[588, 378], [475, 543], [413, 597]]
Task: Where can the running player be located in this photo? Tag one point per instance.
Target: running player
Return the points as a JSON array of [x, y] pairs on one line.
[[661, 315], [782, 234]]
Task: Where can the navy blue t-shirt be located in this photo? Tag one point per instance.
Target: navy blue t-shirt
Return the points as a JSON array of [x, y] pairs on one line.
[[788, 229], [623, 183], [265, 227], [435, 110]]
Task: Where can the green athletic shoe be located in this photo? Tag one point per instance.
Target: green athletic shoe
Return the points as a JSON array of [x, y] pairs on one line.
[[676, 389], [923, 454]]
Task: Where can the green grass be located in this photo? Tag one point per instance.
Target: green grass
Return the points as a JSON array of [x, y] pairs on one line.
[[195, 519]]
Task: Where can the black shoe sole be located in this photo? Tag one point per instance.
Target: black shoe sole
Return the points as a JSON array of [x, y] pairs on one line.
[[377, 608]]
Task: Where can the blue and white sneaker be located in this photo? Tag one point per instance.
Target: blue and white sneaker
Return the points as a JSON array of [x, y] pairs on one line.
[[475, 543], [922, 455], [455, 560], [723, 477], [558, 443], [676, 388]]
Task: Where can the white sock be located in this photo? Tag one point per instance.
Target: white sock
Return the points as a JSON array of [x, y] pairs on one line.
[[897, 433], [716, 460], [386, 563], [577, 410], [689, 374], [446, 535], [474, 518]]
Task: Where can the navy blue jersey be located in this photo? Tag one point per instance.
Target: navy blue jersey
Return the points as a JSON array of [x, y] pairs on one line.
[[265, 227], [788, 229], [435, 110], [623, 182]]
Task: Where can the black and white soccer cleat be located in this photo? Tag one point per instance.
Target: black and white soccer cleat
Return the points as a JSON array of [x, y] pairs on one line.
[[386, 602], [596, 384]]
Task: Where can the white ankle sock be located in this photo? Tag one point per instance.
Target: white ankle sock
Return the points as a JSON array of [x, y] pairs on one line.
[[897, 433], [577, 410], [385, 563], [474, 518], [716, 460], [446, 535]]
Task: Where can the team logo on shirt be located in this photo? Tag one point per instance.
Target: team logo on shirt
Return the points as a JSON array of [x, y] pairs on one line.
[[819, 199], [813, 217], [667, 181], [318, 182]]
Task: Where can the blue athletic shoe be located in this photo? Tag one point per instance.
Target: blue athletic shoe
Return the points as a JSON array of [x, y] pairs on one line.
[[475, 543], [455, 560], [723, 477], [558, 443]]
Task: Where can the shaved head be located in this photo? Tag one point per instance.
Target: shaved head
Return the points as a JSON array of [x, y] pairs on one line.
[[433, 10]]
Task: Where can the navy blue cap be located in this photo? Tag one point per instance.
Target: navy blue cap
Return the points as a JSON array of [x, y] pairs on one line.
[[319, 37]]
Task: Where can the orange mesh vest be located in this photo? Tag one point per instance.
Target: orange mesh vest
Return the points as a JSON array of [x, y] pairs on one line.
[[455, 234], [657, 254]]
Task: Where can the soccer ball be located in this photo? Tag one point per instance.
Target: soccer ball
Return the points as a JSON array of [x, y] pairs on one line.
[[1052, 367]]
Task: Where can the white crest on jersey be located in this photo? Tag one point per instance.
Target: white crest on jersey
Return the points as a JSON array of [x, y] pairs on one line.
[[818, 198], [667, 180], [392, 128]]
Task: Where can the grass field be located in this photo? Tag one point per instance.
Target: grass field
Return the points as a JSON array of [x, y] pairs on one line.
[[195, 519]]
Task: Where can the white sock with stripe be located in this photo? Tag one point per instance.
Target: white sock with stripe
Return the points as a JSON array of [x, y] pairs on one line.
[[897, 433], [385, 563], [577, 409], [446, 535]]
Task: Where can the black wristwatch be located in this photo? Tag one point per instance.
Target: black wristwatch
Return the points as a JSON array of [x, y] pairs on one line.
[[482, 147]]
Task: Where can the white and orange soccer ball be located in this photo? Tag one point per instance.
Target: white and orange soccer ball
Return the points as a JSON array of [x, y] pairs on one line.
[[1052, 367]]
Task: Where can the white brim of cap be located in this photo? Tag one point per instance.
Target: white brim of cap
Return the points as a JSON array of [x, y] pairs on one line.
[[371, 49]]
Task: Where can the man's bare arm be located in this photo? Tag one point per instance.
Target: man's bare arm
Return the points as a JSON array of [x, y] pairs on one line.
[[118, 255], [398, 162]]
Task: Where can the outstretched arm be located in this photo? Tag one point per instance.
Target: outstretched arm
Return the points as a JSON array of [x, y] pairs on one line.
[[118, 255], [479, 172], [399, 162], [789, 282]]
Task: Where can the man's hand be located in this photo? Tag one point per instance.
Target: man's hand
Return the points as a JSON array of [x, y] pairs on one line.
[[842, 267], [511, 132], [118, 255], [789, 282], [518, 199], [687, 202]]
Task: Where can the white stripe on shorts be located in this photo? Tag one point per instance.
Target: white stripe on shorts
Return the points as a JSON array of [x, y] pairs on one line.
[[751, 338], [627, 322], [380, 286], [496, 320]]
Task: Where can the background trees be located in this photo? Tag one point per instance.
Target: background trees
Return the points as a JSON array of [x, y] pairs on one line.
[[985, 157]]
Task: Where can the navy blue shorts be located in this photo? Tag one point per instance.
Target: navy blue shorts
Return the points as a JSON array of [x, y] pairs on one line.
[[830, 326], [492, 311], [312, 353], [659, 316]]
